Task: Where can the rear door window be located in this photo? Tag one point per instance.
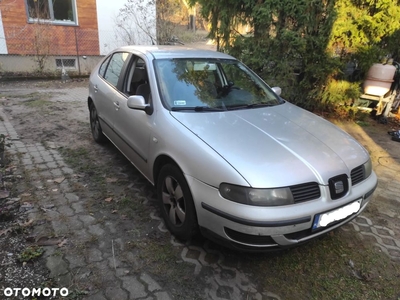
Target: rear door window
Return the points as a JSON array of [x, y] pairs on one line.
[[114, 68], [103, 66]]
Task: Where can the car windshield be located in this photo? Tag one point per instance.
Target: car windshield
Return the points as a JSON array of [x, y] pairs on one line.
[[211, 85]]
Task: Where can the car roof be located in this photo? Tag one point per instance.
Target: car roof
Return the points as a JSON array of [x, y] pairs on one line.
[[160, 52]]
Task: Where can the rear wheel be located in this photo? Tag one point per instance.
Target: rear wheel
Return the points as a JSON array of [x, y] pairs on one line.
[[176, 203], [95, 127]]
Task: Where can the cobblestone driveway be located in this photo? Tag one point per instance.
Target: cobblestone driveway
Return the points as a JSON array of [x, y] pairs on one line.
[[116, 275]]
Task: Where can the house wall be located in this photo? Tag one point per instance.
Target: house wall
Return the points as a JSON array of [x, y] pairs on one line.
[[20, 35], [109, 35], [12, 65], [3, 45], [23, 43]]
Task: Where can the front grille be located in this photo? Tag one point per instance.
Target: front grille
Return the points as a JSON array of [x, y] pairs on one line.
[[305, 192], [298, 235], [249, 238], [357, 175]]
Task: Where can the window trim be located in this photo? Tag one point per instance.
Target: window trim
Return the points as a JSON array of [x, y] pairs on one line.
[[52, 21]]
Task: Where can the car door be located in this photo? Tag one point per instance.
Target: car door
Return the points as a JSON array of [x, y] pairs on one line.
[[135, 126], [107, 92]]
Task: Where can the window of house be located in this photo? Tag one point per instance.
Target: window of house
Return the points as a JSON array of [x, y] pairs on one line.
[[66, 63], [55, 11]]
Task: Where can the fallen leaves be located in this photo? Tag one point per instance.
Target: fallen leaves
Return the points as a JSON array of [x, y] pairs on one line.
[[63, 243], [52, 145], [5, 231], [27, 205], [26, 224], [4, 194], [360, 274], [46, 241], [51, 241], [59, 180], [20, 225], [109, 199], [111, 180], [48, 207]]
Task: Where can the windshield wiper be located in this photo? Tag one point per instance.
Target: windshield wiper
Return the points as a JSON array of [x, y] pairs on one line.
[[252, 105], [196, 108]]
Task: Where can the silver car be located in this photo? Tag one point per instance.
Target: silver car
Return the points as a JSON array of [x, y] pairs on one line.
[[227, 155]]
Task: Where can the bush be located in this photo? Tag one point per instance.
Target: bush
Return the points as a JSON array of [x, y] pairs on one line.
[[304, 45]]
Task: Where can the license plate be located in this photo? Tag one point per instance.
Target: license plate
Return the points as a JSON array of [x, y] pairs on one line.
[[323, 220]]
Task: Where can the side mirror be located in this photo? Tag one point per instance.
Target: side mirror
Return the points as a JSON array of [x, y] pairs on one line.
[[277, 90], [137, 102]]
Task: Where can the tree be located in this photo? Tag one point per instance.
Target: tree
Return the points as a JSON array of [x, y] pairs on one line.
[[42, 37], [138, 18], [304, 44], [136, 22], [365, 26]]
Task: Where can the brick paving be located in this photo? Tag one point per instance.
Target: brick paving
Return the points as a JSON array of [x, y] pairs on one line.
[[69, 221], [100, 266], [109, 277]]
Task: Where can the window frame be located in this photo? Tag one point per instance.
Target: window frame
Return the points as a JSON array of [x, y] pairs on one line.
[[51, 20]]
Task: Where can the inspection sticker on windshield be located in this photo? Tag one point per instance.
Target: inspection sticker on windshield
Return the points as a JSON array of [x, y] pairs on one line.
[[179, 102], [323, 220]]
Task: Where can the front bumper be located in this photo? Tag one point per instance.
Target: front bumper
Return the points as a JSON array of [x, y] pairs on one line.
[[266, 228]]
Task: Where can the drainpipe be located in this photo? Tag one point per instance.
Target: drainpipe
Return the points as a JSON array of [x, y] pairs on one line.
[[77, 52]]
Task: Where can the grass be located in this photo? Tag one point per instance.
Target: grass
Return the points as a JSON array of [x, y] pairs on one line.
[[159, 258], [36, 100], [133, 207], [30, 253], [20, 96], [338, 266], [37, 103], [321, 269], [188, 36], [363, 123], [82, 161]]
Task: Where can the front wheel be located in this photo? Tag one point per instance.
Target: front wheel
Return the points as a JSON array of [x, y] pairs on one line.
[[176, 203]]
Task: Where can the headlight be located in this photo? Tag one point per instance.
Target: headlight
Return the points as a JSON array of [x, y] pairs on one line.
[[367, 169], [257, 197]]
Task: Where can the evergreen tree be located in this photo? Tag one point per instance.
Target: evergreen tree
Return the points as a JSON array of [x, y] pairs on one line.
[[305, 44]]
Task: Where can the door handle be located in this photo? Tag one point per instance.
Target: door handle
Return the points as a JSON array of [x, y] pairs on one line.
[[116, 104], [96, 89]]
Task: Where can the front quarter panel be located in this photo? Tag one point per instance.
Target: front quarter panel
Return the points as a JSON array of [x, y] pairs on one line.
[[194, 157]]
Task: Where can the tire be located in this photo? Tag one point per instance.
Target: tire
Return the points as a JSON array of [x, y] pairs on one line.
[[95, 126], [176, 203]]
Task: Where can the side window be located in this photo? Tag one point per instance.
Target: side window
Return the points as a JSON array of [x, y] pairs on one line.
[[138, 81], [115, 67], [103, 66]]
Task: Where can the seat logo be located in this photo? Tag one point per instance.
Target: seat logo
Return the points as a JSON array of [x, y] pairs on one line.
[[339, 187]]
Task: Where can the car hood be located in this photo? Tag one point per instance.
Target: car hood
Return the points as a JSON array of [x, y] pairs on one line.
[[276, 146]]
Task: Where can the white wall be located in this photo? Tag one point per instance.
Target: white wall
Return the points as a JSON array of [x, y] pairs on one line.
[[107, 12], [3, 44]]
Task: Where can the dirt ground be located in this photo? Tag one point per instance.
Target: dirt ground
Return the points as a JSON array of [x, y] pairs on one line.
[[359, 261]]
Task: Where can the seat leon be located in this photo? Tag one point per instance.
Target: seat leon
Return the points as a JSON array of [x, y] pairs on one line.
[[227, 155]]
